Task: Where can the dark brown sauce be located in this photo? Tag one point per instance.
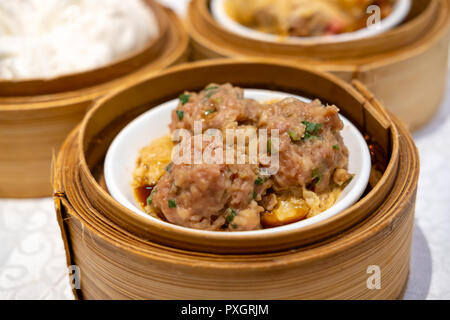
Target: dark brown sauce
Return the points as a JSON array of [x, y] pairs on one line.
[[142, 193]]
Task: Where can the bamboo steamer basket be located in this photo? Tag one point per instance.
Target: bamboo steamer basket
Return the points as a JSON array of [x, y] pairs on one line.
[[36, 115], [123, 256], [404, 67]]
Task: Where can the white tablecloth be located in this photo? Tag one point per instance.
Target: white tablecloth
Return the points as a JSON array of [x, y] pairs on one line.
[[32, 258]]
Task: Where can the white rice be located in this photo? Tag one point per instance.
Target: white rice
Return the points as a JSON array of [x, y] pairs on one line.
[[49, 38]]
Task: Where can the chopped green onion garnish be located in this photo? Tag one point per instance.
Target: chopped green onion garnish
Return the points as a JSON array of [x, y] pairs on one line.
[[316, 175], [169, 167], [150, 197], [180, 114], [172, 203], [336, 147], [312, 129], [184, 98], [230, 216], [211, 88], [210, 91], [261, 180]]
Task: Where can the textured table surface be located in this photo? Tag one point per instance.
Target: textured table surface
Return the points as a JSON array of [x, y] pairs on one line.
[[32, 259]]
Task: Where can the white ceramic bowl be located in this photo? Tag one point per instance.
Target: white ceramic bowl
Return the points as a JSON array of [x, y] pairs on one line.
[[121, 159], [399, 13]]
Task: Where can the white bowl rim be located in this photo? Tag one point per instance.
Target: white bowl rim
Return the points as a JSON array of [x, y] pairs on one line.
[[360, 180], [400, 12]]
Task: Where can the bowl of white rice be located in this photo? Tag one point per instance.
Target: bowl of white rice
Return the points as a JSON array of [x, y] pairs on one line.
[[97, 40]]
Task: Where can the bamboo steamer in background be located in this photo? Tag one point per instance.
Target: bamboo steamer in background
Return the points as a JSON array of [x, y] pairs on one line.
[[406, 67], [36, 115], [124, 256]]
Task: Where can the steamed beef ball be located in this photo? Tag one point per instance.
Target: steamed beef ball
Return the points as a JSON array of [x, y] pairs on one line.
[[193, 195], [217, 106], [209, 196], [311, 147]]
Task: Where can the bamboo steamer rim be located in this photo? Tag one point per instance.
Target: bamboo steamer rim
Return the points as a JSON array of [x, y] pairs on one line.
[[175, 43], [437, 11], [326, 249], [201, 7], [366, 101]]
